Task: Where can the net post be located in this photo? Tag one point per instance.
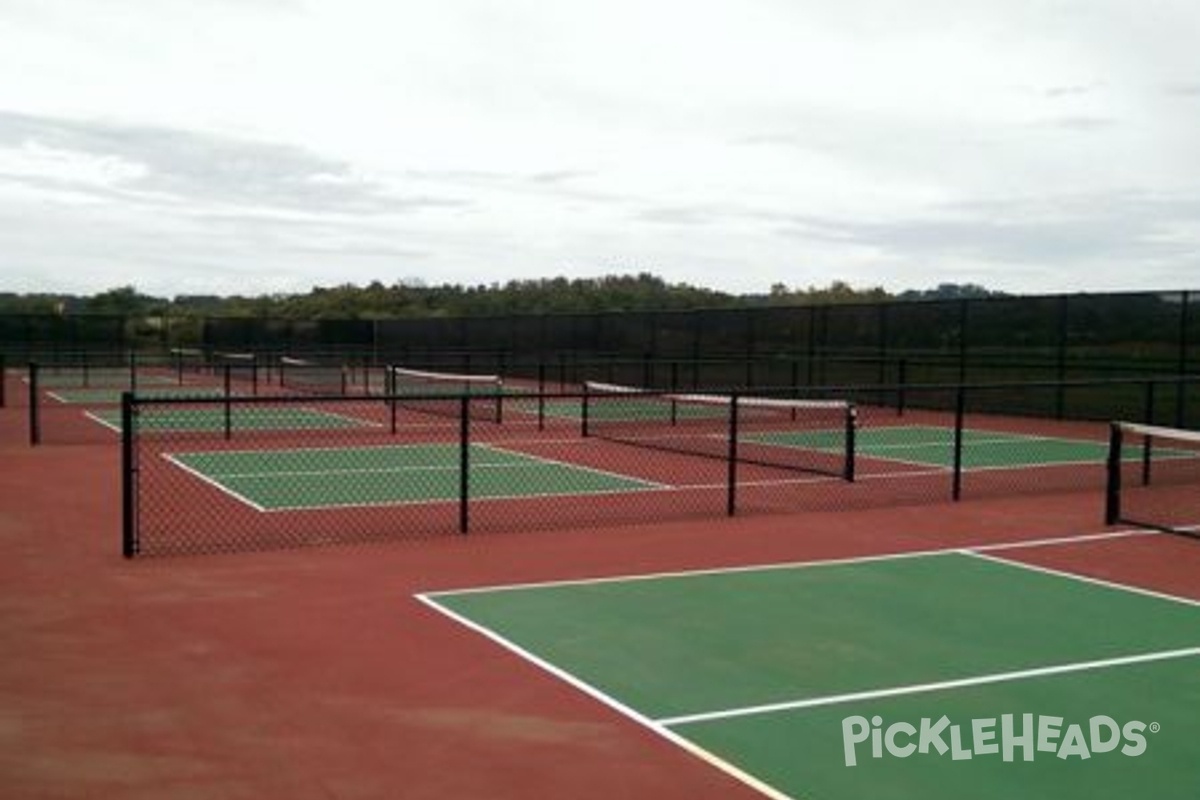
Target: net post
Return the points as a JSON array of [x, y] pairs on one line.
[[464, 464], [851, 444], [1112, 489], [35, 411], [584, 412], [499, 401], [129, 543], [389, 395], [731, 495], [960, 403], [3, 380]]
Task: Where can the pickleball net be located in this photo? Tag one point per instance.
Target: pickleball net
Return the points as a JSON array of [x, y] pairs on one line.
[[306, 375], [236, 366], [1154, 478], [809, 436], [442, 393]]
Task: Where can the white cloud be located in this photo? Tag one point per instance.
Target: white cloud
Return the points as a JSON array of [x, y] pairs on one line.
[[285, 143]]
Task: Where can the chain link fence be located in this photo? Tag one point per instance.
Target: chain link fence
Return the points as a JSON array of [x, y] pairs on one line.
[[237, 473]]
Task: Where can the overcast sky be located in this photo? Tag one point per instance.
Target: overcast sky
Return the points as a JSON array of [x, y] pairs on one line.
[[247, 146]]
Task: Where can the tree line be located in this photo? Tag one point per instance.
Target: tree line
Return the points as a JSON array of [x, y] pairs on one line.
[[413, 299]]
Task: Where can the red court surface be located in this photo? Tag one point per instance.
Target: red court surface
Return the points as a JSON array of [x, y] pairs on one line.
[[315, 673]]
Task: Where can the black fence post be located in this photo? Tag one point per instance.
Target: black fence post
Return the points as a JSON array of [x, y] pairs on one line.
[[1112, 490], [35, 422], [848, 471], [464, 464], [228, 405], [584, 411], [389, 391], [960, 403], [1147, 457], [1060, 357], [731, 497], [3, 380], [129, 476], [964, 349], [1181, 389], [1185, 312]]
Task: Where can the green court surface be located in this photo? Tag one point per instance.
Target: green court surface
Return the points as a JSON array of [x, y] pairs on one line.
[[920, 445], [242, 418], [931, 446], [111, 396], [309, 478], [772, 673], [934, 446]]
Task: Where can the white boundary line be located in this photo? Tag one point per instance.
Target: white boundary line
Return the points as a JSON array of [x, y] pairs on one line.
[[170, 458], [357, 422], [380, 470], [327, 448], [1055, 540], [569, 465], [450, 466], [526, 461], [662, 726], [671, 574], [609, 701], [685, 574], [455, 500], [102, 421], [1081, 578], [922, 688]]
